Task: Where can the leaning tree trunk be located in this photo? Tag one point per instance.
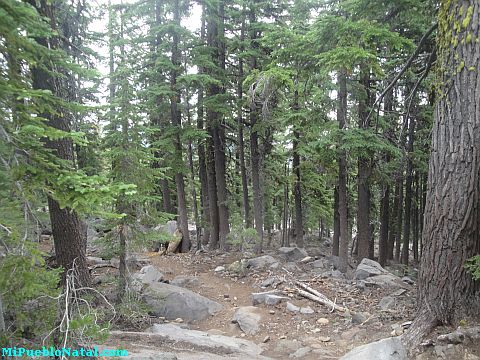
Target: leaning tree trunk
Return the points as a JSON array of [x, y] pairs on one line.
[[447, 293]]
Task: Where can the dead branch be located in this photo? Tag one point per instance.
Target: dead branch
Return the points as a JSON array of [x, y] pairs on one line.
[[316, 296]]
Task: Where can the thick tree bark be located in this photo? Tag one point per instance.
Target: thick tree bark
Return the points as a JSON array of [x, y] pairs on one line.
[[177, 123], [345, 234], [446, 292], [69, 239], [212, 192], [415, 217]]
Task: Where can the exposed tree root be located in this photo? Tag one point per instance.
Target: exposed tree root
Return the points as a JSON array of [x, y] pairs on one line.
[[422, 326]]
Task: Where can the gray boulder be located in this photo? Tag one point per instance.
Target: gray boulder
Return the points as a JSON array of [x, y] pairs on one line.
[[385, 349], [248, 318], [386, 303], [148, 275], [185, 281], [260, 298], [290, 254], [174, 302], [261, 262], [386, 281], [368, 268]]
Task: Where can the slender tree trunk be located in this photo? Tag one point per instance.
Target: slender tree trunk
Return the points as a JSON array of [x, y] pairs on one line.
[[285, 210], [241, 145], [415, 217], [408, 193], [177, 123], [297, 187], [255, 156], [345, 235], [202, 166], [196, 215], [384, 222], [446, 292], [336, 224], [69, 239], [399, 223], [393, 223], [212, 192]]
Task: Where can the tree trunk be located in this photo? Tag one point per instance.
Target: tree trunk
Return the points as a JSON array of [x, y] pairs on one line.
[[255, 156], [393, 222], [384, 222], [241, 145], [415, 217], [69, 240], [364, 228], [399, 223], [408, 193], [177, 123], [336, 224], [342, 174], [446, 292], [202, 166], [297, 187]]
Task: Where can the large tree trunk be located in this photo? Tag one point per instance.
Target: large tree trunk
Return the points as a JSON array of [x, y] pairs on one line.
[[69, 239], [364, 228], [342, 174], [177, 122], [446, 292]]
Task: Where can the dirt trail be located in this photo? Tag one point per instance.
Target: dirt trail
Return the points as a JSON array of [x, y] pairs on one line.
[[325, 333]]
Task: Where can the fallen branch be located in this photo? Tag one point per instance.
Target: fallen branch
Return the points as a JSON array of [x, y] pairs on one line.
[[316, 296]]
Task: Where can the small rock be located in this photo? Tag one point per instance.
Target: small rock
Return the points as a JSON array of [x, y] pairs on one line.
[[292, 253], [408, 280], [320, 263], [266, 339], [307, 310], [219, 268], [300, 353], [323, 321], [268, 282], [274, 299], [272, 312], [316, 330], [248, 318], [386, 303], [399, 292], [324, 338], [260, 298], [292, 308], [306, 259], [368, 268], [359, 317], [178, 320], [261, 262]]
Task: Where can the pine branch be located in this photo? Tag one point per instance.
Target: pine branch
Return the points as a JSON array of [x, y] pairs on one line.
[[404, 69]]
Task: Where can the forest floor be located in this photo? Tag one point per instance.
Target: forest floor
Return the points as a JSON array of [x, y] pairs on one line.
[[324, 334]]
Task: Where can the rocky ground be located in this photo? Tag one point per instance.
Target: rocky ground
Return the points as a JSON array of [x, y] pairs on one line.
[[213, 305]]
